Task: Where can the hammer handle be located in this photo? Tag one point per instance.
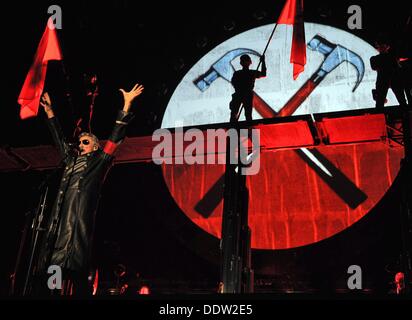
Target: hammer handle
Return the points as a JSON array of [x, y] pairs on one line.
[[294, 103], [339, 183], [290, 107], [262, 107]]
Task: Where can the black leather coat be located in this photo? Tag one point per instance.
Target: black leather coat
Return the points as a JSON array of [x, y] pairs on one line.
[[68, 241]]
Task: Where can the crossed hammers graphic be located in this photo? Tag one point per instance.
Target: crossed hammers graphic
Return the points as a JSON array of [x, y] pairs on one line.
[[333, 177]]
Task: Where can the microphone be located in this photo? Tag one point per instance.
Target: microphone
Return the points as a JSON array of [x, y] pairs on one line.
[[74, 147]]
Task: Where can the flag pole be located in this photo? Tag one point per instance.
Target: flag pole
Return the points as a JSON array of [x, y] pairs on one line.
[[260, 61], [267, 44], [273, 32]]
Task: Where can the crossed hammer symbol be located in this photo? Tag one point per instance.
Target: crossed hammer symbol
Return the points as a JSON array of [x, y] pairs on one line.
[[332, 176]]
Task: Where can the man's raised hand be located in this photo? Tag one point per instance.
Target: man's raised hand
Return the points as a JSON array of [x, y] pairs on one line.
[[46, 104], [45, 100], [131, 95]]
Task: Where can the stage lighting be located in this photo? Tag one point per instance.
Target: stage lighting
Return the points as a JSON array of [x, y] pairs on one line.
[[229, 25], [259, 14], [202, 42], [178, 64], [144, 290]]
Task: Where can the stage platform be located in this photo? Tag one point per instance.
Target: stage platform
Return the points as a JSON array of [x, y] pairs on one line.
[[294, 132]]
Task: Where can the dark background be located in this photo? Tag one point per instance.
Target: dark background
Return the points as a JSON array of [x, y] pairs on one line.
[[139, 225]]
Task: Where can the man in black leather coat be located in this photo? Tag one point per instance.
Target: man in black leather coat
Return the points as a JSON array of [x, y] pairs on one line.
[[68, 240]]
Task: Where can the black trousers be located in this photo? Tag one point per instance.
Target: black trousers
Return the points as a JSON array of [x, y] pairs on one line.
[[382, 91], [237, 101]]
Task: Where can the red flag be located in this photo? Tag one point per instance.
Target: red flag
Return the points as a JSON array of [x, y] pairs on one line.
[[292, 14], [30, 93]]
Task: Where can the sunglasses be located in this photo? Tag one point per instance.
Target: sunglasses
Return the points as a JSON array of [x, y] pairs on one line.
[[84, 141]]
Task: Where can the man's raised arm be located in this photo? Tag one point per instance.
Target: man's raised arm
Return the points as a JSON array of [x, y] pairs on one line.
[[54, 126], [123, 119]]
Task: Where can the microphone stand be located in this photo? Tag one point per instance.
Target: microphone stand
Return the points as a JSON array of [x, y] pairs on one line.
[[28, 216], [36, 227], [93, 93]]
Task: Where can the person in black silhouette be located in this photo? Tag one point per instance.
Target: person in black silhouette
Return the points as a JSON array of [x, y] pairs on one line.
[[389, 75], [243, 82]]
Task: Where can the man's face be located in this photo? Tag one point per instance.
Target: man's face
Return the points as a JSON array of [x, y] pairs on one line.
[[86, 145]]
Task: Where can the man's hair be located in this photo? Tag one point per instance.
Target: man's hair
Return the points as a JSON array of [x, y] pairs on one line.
[[92, 136], [245, 58]]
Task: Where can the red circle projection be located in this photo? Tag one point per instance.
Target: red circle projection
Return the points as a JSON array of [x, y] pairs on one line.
[[290, 204]]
